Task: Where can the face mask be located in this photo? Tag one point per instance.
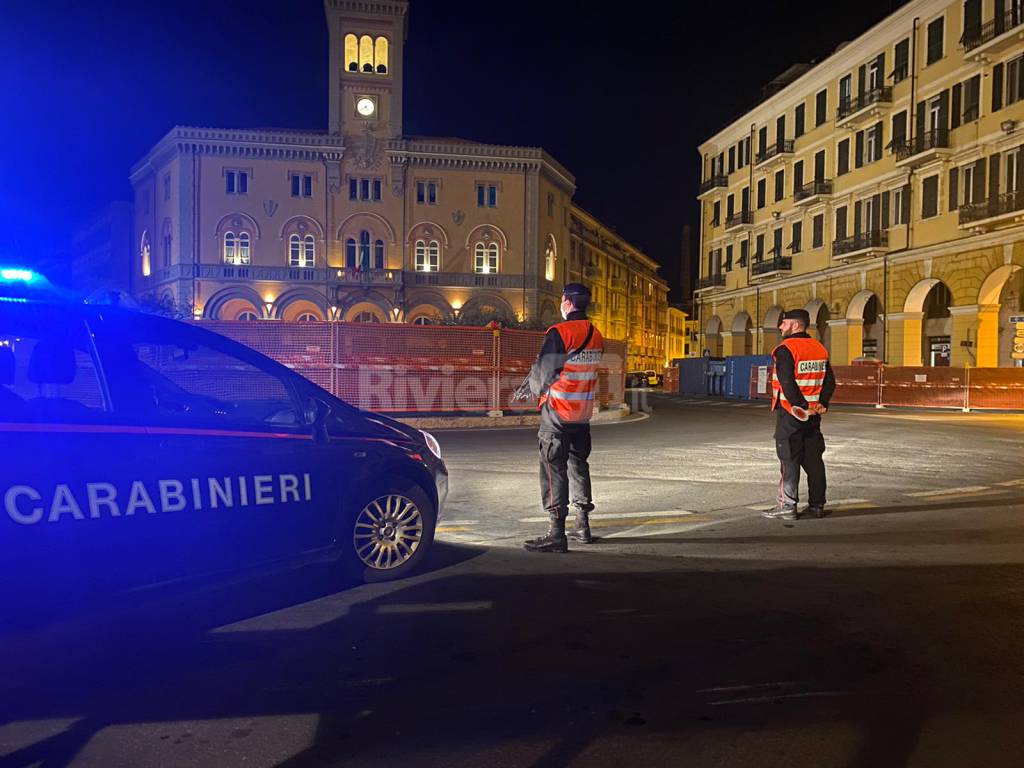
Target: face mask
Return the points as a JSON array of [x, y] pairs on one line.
[[565, 315]]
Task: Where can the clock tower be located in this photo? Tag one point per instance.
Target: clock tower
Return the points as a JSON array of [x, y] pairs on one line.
[[367, 39]]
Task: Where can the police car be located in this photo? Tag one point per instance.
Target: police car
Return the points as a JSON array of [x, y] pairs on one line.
[[137, 450]]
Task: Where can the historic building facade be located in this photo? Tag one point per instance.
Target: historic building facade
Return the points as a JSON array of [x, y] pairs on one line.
[[364, 223], [883, 190]]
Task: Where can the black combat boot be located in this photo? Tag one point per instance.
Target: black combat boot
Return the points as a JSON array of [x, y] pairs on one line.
[[580, 531], [815, 510], [555, 540]]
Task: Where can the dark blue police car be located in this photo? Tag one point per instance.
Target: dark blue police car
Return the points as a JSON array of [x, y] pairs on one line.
[[136, 450]]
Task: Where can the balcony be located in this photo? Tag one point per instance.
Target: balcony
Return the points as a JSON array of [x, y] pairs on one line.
[[815, 192], [774, 267], [269, 274], [866, 107], [710, 185], [1003, 211], [618, 313], [711, 282], [463, 279], [995, 36], [352, 276], [617, 283], [737, 221], [592, 272], [775, 153], [933, 145], [872, 243]]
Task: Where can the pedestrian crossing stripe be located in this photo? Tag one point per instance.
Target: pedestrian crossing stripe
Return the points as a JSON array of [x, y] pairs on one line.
[[621, 516], [948, 491]]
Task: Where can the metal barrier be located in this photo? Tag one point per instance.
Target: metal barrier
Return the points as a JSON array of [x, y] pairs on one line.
[[878, 385], [398, 368]]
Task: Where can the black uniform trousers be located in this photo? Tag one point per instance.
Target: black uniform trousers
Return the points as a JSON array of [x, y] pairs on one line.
[[800, 445], [564, 471]]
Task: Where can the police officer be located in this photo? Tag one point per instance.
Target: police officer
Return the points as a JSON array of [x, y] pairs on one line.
[[802, 387], [564, 378]]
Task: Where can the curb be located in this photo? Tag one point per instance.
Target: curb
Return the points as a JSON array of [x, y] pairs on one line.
[[604, 416]]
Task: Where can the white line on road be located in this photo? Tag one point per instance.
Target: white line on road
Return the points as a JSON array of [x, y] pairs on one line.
[[771, 699], [840, 503], [457, 522], [948, 491], [619, 516], [755, 686], [1011, 483], [479, 605]]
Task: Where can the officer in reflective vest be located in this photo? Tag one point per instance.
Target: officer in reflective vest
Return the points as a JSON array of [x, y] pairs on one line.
[[802, 387], [564, 378]]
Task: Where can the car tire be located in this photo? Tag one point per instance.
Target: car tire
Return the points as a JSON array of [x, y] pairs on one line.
[[386, 533]]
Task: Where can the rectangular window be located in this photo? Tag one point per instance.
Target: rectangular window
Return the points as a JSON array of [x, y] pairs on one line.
[[968, 174], [902, 69], [377, 188], [997, 87], [364, 189], [798, 233], [432, 193], [236, 182], [972, 99], [798, 176], [307, 186], [761, 194], [730, 206], [841, 223], [930, 197], [744, 252], [353, 189], [167, 187], [843, 157], [492, 196], [899, 130], [762, 141], [820, 108], [486, 195], [777, 243], [732, 159], [229, 182], [302, 185], [845, 91], [954, 188], [780, 185], [818, 231], [716, 214], [421, 192], [759, 248], [936, 40], [1014, 81], [798, 121]]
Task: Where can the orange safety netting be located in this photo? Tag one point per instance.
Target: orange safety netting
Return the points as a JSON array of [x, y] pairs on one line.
[[414, 369]]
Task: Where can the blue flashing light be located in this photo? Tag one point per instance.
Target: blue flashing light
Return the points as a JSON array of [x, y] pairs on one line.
[[12, 275]]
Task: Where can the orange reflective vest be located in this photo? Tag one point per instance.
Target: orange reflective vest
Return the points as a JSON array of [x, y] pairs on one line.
[[572, 394], [810, 362]]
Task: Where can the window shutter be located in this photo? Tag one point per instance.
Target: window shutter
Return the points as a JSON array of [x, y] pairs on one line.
[[878, 141], [841, 223], [1020, 169], [857, 217], [905, 212], [957, 107], [858, 159], [993, 177], [798, 176], [885, 209], [861, 79], [944, 110], [954, 180], [997, 87], [876, 213], [920, 121], [881, 66], [979, 181]]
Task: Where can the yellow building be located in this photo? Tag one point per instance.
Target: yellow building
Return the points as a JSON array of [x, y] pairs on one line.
[[365, 223], [629, 300], [677, 343], [883, 190]]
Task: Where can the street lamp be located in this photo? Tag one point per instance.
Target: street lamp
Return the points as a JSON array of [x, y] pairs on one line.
[[396, 311]]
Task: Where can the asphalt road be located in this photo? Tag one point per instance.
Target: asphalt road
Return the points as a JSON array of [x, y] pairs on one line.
[[693, 633]]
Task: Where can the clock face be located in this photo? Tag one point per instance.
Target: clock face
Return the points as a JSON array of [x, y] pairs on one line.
[[366, 106]]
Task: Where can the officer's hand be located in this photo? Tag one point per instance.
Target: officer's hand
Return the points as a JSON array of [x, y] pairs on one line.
[[818, 408], [522, 392]]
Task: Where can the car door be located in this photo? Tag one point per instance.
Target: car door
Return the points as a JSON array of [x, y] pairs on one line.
[[247, 477], [66, 530]]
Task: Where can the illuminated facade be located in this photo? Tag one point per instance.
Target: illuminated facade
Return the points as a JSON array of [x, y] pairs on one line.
[[362, 222], [882, 190]]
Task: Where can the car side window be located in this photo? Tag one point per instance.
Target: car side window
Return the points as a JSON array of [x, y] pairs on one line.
[[164, 372], [47, 371]]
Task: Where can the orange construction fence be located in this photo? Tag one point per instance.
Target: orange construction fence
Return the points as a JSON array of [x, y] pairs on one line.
[[399, 368], [880, 385]]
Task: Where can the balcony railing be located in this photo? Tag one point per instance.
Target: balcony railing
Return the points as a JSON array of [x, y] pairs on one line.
[[774, 150], [1010, 202], [776, 264], [592, 272], [991, 29], [713, 182], [351, 275], [711, 281], [463, 279], [880, 95], [739, 219], [814, 189], [926, 142], [901, 73], [875, 239]]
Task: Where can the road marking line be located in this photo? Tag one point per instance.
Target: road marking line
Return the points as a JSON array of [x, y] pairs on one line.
[[453, 528], [840, 503], [948, 491], [479, 605], [755, 686], [771, 699], [1011, 483], [651, 521], [619, 516], [459, 522]]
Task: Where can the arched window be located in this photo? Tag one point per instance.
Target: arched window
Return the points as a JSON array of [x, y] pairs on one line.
[[350, 253], [366, 317], [364, 250], [423, 320], [301, 251], [145, 255], [230, 248], [550, 260], [307, 317], [167, 249], [486, 258], [381, 55], [247, 317], [351, 53], [244, 256], [378, 254], [366, 54], [428, 256]]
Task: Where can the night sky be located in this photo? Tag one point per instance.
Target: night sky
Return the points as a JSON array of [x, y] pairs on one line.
[[621, 100]]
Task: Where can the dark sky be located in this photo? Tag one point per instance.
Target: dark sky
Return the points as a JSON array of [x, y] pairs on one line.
[[622, 101]]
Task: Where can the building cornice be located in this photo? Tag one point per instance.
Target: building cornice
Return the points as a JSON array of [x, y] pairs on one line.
[[242, 143], [880, 37]]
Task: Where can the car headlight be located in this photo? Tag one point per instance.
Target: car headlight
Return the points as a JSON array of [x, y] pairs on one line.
[[432, 444]]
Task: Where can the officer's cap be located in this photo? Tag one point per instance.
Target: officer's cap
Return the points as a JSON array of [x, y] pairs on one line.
[[576, 289], [800, 315]]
